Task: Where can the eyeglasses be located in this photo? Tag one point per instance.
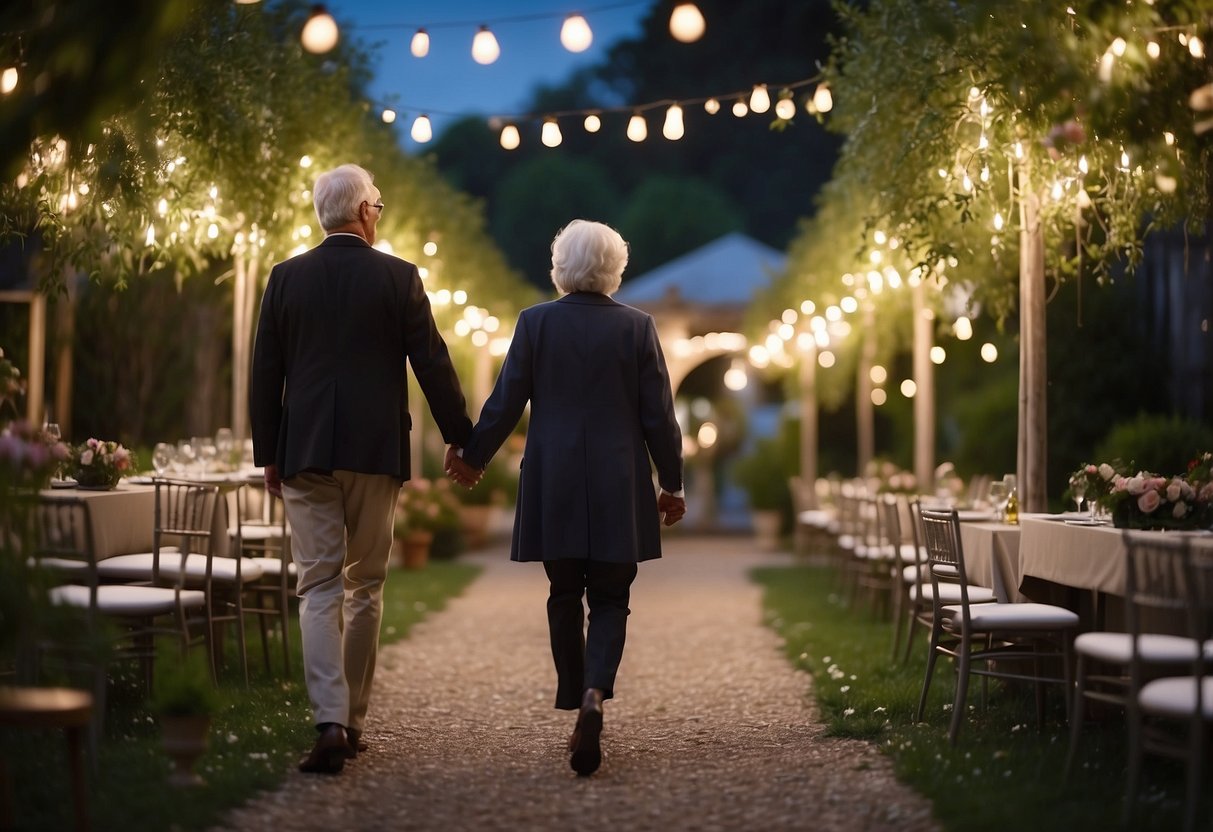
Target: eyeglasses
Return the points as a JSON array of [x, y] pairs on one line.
[[378, 205]]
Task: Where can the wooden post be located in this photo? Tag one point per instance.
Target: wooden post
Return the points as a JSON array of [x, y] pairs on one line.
[[924, 398], [1032, 445], [65, 340], [244, 298], [865, 409], [34, 383], [808, 424]]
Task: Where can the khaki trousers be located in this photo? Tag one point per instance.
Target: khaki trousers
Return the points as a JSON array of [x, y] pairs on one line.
[[341, 536]]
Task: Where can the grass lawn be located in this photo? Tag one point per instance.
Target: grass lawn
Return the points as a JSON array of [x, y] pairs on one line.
[[1004, 774], [256, 739]]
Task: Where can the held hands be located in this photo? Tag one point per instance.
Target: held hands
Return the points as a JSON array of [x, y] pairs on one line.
[[273, 482], [459, 471], [671, 508]]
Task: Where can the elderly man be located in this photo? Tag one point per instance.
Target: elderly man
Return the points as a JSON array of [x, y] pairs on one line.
[[330, 420]]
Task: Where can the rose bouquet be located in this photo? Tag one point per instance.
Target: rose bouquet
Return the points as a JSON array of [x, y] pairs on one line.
[[100, 463], [1149, 501], [1094, 482], [28, 458]]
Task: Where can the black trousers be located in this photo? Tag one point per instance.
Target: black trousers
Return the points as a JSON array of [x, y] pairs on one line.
[[587, 659]]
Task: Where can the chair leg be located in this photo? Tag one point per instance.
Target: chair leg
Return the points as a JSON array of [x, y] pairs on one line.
[[962, 690], [262, 621], [1134, 717], [899, 601], [1196, 768], [915, 623], [240, 639], [1076, 716], [932, 656]]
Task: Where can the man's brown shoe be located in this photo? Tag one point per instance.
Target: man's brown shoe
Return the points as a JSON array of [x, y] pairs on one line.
[[584, 743], [330, 751]]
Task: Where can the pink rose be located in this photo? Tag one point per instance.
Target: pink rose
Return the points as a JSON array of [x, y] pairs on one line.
[[86, 458], [1136, 485], [1148, 501], [1174, 488], [1180, 510], [1206, 492], [1107, 471]]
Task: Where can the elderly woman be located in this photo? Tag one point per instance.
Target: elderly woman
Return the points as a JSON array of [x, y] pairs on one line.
[[601, 406]]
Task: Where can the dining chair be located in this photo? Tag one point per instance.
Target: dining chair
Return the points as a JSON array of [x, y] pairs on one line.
[[874, 556], [996, 637], [262, 535], [64, 553], [1169, 716], [1104, 661], [183, 556]]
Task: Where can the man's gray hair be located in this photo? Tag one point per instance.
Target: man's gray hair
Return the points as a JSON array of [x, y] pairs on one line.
[[338, 193], [588, 257]]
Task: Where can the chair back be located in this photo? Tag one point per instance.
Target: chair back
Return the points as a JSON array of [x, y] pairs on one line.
[[889, 508], [184, 516], [63, 543], [945, 555]]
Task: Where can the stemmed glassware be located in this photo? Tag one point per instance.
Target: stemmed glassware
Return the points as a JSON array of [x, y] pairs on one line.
[[185, 456], [53, 435], [162, 458], [998, 496], [225, 444], [1078, 488], [204, 448]]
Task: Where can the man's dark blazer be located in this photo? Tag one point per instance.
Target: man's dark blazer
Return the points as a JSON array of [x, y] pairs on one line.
[[601, 405], [329, 389]]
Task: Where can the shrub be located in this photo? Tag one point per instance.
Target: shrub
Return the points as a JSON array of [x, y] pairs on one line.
[[1155, 443]]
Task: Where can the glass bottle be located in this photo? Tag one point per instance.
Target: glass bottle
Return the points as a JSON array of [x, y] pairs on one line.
[[1012, 511]]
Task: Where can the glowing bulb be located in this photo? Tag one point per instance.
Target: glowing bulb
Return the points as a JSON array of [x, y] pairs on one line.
[[974, 93], [1153, 49], [1124, 159], [879, 397], [575, 34], [420, 45], [909, 388], [673, 129], [735, 377], [551, 134], [1196, 47], [638, 130], [966, 183], [509, 137], [320, 32], [878, 374], [785, 108], [389, 116], [789, 316], [1018, 150], [807, 307], [592, 123], [739, 108], [1056, 192], [8, 80], [985, 174], [848, 304], [150, 239], [880, 237], [421, 131], [305, 161], [1082, 164], [459, 296], [989, 353], [943, 174], [430, 248], [938, 355], [983, 143], [998, 221], [484, 47], [1118, 47], [760, 100], [826, 359], [162, 207], [707, 435], [686, 23], [963, 328], [1168, 137], [212, 231], [823, 100], [711, 106]]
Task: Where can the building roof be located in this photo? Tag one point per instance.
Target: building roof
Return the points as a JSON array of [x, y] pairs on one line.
[[726, 271]]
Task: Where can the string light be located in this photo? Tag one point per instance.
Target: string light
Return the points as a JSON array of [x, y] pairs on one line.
[[551, 133], [422, 131], [823, 99], [150, 239], [1118, 47], [760, 100], [8, 80], [509, 137], [420, 45], [686, 23], [711, 106], [575, 33], [673, 129], [638, 130], [785, 108], [1082, 164], [320, 33], [485, 48], [592, 123], [740, 109], [1153, 49], [989, 353], [1196, 46], [909, 388], [389, 115]]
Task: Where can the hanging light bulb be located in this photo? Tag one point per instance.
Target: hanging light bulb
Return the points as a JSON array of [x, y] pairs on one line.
[[785, 108], [823, 99], [162, 207], [1153, 49], [673, 129], [420, 45], [760, 100], [8, 80], [509, 137], [575, 34], [551, 133], [686, 23], [711, 106], [985, 174], [320, 32], [1057, 192], [638, 130], [484, 47], [998, 221], [592, 123], [422, 132], [150, 239], [389, 115], [740, 108], [1082, 164]]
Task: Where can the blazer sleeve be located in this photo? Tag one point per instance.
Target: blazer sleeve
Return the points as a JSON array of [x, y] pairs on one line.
[[504, 407], [661, 431], [431, 363], [268, 379]]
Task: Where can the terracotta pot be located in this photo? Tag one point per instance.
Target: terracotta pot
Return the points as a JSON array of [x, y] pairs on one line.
[[474, 522], [185, 739], [415, 549], [766, 527]]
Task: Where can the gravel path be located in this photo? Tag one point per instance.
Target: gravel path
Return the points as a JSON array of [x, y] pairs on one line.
[[711, 728]]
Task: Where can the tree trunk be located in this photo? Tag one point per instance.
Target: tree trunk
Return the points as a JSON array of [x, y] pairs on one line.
[[808, 426], [924, 398], [1033, 378], [865, 409], [244, 297], [34, 404]]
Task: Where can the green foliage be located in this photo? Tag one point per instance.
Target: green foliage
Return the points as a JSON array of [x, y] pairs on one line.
[[764, 473], [1001, 759], [183, 687], [666, 217], [1150, 442]]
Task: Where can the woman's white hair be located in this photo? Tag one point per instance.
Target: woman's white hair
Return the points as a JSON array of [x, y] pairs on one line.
[[339, 192], [588, 257]]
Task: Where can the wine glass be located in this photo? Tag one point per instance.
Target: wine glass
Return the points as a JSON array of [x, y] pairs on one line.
[[204, 449], [998, 496], [53, 437], [162, 458], [185, 456], [1078, 488], [225, 444]]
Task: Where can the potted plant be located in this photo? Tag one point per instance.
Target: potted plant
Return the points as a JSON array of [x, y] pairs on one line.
[[478, 505], [185, 699], [423, 508], [98, 464], [762, 474]]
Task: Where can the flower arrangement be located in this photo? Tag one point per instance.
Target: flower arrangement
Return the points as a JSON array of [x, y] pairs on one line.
[[100, 463], [425, 506], [11, 386], [1146, 500], [888, 478], [28, 458], [1094, 481]]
